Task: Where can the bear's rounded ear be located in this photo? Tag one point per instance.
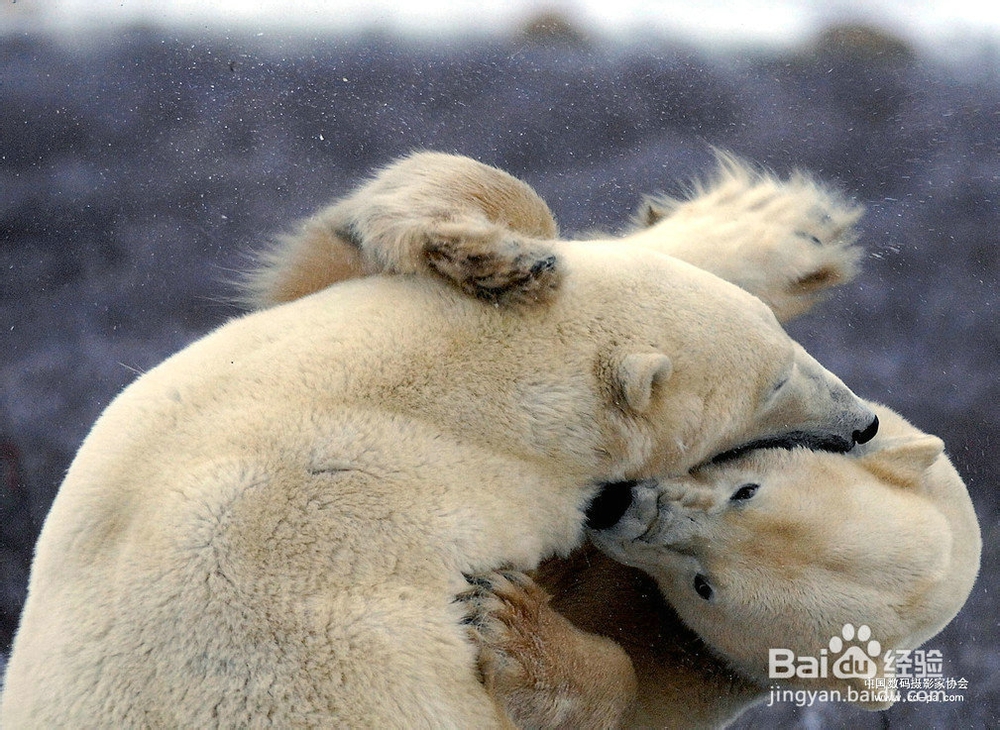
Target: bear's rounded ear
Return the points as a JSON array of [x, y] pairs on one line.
[[903, 461], [637, 375]]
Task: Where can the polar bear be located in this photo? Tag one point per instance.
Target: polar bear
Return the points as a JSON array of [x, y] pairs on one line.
[[271, 526], [807, 545], [788, 242], [783, 562]]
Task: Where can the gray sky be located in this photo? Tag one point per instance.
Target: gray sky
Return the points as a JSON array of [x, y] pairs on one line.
[[941, 23]]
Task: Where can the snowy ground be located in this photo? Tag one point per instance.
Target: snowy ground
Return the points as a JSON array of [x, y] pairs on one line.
[[135, 173]]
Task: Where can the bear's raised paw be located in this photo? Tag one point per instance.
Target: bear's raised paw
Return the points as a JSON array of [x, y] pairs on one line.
[[787, 241]]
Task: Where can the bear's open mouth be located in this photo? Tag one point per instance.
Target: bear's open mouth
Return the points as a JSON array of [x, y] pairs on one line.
[[790, 440]]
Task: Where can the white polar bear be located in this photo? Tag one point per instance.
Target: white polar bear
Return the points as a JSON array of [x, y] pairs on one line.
[[787, 242], [271, 526]]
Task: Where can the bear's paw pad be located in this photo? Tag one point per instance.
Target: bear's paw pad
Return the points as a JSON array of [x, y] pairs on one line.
[[494, 265]]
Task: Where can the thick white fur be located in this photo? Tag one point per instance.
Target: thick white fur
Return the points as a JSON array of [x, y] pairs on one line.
[[270, 527]]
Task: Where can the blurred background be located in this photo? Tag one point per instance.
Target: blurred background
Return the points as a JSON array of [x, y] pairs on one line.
[[146, 147]]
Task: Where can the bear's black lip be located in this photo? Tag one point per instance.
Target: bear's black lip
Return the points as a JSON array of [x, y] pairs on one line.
[[791, 440]]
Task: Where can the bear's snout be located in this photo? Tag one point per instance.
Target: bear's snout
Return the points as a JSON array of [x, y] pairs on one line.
[[866, 435], [610, 505]]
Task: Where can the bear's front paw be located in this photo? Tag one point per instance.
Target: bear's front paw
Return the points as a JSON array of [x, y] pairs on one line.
[[503, 611], [786, 241], [493, 263], [803, 266], [537, 665]]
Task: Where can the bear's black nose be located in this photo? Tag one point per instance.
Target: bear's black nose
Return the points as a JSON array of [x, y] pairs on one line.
[[863, 437], [610, 504]]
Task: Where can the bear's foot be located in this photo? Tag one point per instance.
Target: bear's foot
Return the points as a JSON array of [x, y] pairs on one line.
[[493, 263], [787, 241], [537, 665]]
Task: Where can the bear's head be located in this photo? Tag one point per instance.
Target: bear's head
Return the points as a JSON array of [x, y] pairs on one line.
[[694, 367], [804, 568]]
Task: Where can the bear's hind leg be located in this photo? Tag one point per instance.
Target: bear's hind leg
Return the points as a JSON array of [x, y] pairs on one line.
[[475, 226], [491, 262]]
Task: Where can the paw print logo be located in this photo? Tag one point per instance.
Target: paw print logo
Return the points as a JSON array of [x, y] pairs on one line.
[[855, 662]]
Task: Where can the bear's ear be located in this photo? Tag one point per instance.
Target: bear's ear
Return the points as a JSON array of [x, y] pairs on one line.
[[637, 375], [903, 461]]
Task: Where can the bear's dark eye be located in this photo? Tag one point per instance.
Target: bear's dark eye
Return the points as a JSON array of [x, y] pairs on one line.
[[744, 493], [702, 588]]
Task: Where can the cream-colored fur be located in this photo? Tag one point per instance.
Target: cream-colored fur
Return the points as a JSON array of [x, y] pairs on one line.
[[775, 550], [787, 242], [885, 537], [271, 526]]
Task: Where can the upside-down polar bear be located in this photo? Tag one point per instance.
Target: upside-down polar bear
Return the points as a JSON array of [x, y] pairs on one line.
[[272, 525], [770, 548]]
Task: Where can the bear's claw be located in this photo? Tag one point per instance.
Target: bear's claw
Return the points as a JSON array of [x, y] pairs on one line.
[[502, 610], [539, 667]]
